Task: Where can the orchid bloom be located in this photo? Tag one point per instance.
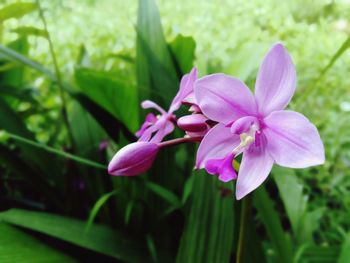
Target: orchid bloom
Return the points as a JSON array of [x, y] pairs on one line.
[[155, 128], [257, 126]]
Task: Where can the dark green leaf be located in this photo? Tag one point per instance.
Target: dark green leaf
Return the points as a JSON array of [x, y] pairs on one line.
[[183, 49], [115, 96], [151, 45], [279, 239], [164, 193], [16, 246], [100, 238]]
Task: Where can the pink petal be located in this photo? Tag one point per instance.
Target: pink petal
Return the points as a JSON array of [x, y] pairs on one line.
[[165, 128], [133, 159], [216, 144], [292, 140], [189, 99], [148, 104], [223, 167], [276, 81], [223, 98], [186, 87], [193, 123], [243, 124], [150, 119], [255, 167]]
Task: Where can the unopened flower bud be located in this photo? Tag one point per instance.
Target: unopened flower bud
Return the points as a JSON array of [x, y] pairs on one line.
[[133, 159]]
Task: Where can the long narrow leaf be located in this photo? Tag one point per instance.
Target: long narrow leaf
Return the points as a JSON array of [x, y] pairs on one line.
[[100, 238]]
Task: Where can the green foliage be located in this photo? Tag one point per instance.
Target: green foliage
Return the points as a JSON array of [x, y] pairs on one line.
[[99, 238], [17, 246], [16, 10], [208, 233]]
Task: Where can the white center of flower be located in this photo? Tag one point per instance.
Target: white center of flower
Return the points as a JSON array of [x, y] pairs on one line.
[[247, 138]]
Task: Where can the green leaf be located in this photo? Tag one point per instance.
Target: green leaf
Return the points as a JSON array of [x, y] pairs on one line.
[[164, 193], [151, 45], [291, 192], [268, 215], [208, 233], [338, 54], [187, 189], [183, 49], [303, 222], [100, 238], [12, 55], [244, 60], [110, 124], [30, 31], [15, 77], [94, 211], [115, 96], [16, 10], [345, 251], [17, 246]]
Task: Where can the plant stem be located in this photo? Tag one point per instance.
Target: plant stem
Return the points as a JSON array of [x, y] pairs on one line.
[[179, 141], [56, 151], [58, 76], [245, 216]]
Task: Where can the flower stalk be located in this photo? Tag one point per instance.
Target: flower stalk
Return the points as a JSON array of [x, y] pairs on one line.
[[246, 211]]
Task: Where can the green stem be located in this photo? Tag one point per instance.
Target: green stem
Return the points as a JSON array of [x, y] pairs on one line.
[[245, 214], [58, 76], [57, 152]]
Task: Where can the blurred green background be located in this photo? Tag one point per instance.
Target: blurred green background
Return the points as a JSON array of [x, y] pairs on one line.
[[70, 96]]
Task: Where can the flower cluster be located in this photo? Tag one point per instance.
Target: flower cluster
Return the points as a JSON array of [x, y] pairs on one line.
[[229, 120]]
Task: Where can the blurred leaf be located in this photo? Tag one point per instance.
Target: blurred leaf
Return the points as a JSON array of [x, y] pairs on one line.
[[20, 94], [183, 49], [17, 246], [13, 124], [16, 10], [114, 95], [100, 238], [165, 85], [344, 256], [110, 124], [268, 215], [291, 192], [151, 45], [340, 51], [128, 211], [164, 193], [30, 31], [152, 248], [208, 233], [187, 189], [244, 60], [94, 211], [49, 149], [14, 76], [319, 254], [12, 55]]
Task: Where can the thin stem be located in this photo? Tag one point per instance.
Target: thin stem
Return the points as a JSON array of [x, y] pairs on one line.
[[58, 75], [179, 141], [245, 215], [56, 151]]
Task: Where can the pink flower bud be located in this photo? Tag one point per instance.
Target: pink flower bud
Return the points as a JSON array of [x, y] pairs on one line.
[[193, 123], [133, 159]]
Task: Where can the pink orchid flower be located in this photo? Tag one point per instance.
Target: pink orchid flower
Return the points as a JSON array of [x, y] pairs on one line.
[[155, 128], [257, 126]]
